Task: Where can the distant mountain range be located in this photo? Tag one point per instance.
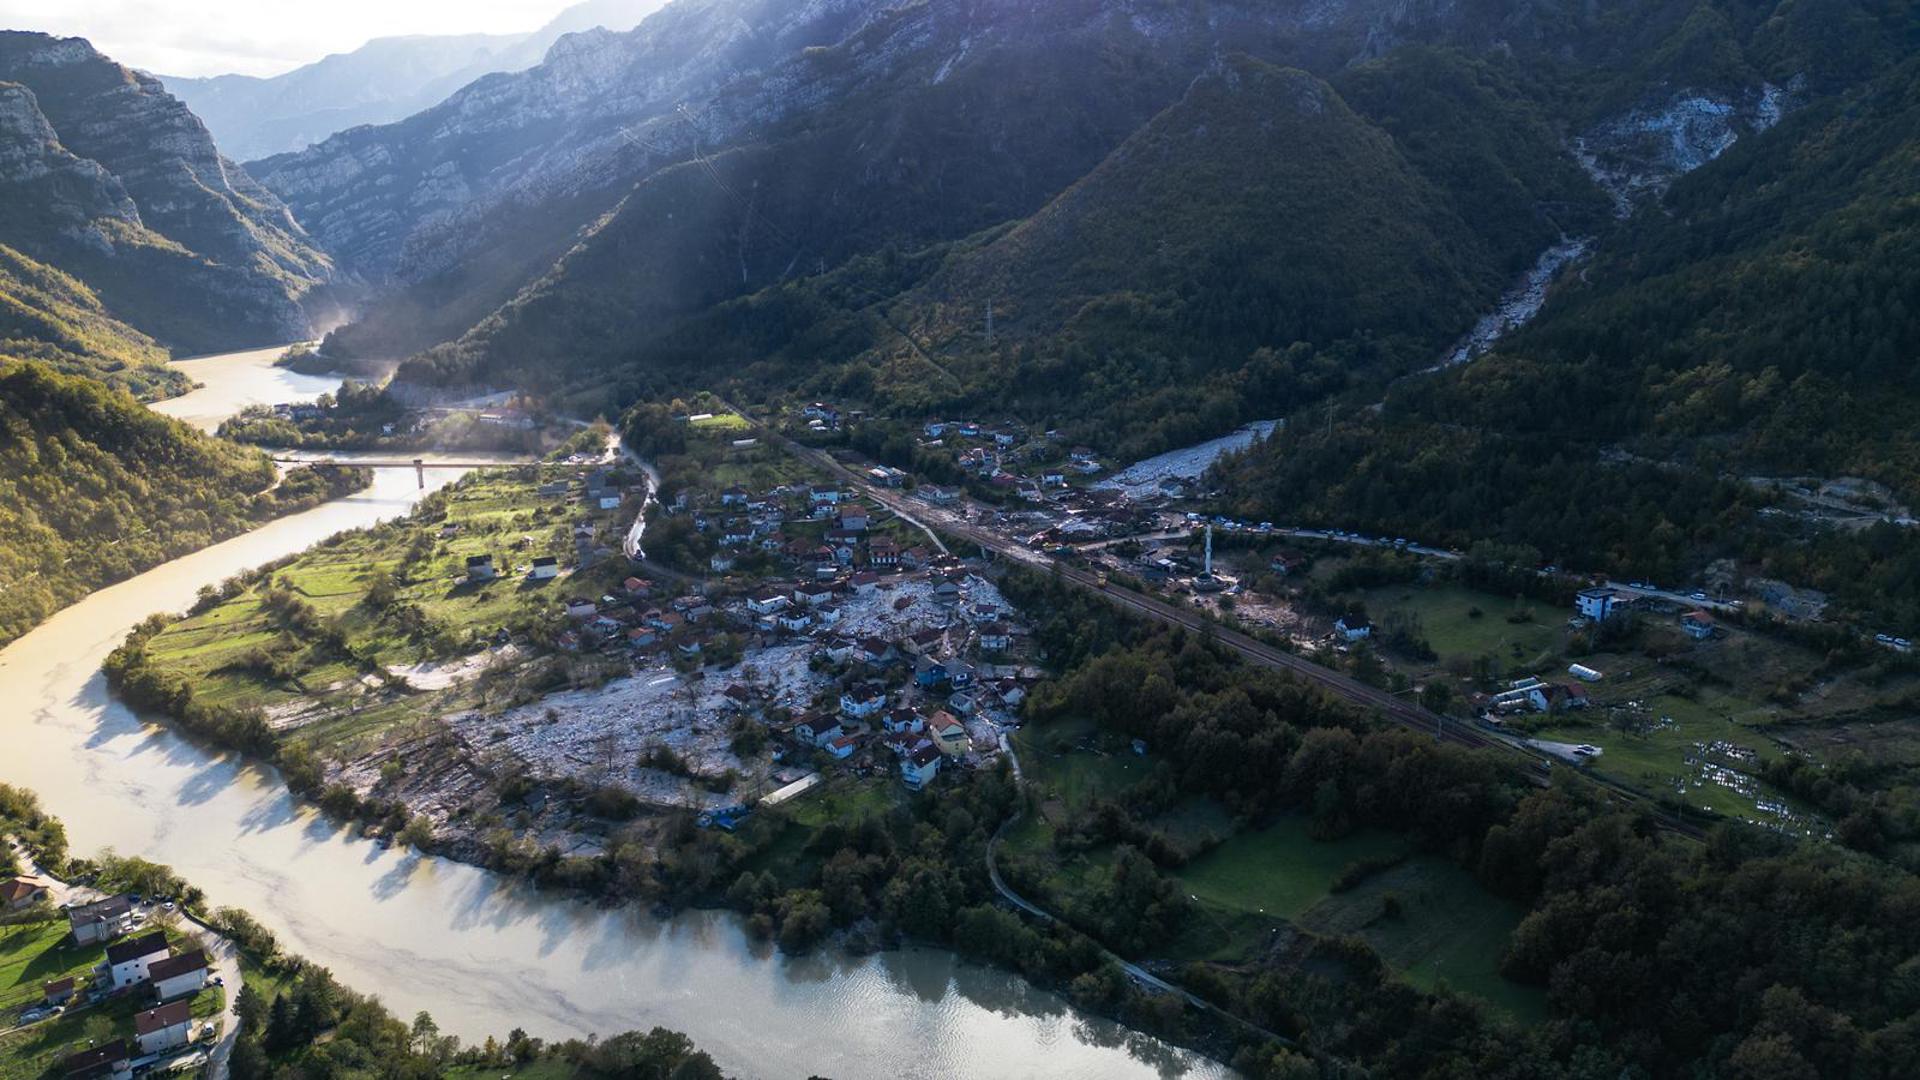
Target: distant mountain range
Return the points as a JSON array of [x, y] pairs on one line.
[[384, 80]]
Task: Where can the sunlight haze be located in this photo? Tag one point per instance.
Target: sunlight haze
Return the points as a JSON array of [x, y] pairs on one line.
[[198, 37]]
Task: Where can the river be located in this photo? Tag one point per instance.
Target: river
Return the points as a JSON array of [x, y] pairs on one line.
[[482, 954]]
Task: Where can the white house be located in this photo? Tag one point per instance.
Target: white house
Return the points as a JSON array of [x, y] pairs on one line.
[[767, 601], [1697, 624], [545, 567], [168, 1027], [480, 568], [841, 747], [127, 961], [1596, 604], [920, 765], [1353, 627], [177, 976], [100, 921], [863, 701], [995, 637]]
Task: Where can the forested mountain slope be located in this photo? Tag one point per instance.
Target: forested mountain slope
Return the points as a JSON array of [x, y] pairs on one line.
[[1189, 303], [109, 179], [1761, 322], [48, 316], [95, 487], [937, 119]]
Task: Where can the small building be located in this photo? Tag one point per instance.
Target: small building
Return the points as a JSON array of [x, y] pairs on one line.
[[995, 637], [841, 748], [883, 551], [109, 1059], [813, 595], [1583, 673], [168, 1027], [23, 892], [638, 588], [1697, 624], [100, 921], [854, 518], [1596, 604], [579, 607], [178, 976], [1287, 562], [767, 601], [480, 568], [544, 568], [1353, 627], [928, 672], [58, 992], [949, 734], [864, 700], [920, 765], [128, 961], [904, 720]]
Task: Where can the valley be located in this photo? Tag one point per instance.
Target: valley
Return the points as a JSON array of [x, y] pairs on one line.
[[1093, 539], [434, 934]]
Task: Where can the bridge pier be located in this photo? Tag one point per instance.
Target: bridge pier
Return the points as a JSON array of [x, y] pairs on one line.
[[420, 472]]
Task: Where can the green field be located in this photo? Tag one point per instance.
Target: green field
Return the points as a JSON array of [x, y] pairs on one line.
[[1655, 755], [1447, 930], [1071, 763], [244, 653], [543, 1069], [721, 422], [1281, 870], [33, 953], [1444, 616]]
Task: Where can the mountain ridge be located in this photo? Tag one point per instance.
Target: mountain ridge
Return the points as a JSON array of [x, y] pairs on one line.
[[110, 179]]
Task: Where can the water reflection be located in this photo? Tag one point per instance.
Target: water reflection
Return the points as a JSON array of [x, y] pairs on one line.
[[486, 955]]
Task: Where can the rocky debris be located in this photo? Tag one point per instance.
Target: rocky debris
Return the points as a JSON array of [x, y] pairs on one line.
[[1521, 303], [1636, 155], [1187, 464]]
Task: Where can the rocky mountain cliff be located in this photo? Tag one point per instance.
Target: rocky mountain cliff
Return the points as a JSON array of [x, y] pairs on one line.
[[384, 80], [107, 177]]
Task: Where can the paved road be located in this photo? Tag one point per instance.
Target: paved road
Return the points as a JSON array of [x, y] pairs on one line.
[[223, 957], [1134, 971], [1400, 710]]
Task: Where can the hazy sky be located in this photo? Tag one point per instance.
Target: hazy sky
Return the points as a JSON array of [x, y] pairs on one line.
[[259, 37]]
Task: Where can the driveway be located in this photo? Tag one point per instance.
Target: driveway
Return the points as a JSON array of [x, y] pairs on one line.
[[223, 957]]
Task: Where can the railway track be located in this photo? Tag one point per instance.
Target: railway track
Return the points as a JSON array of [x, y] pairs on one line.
[[1397, 709]]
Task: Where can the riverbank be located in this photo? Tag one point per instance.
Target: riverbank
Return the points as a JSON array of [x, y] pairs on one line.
[[277, 1011], [483, 953]]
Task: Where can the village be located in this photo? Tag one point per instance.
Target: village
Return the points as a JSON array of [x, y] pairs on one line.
[[106, 986], [1689, 689]]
